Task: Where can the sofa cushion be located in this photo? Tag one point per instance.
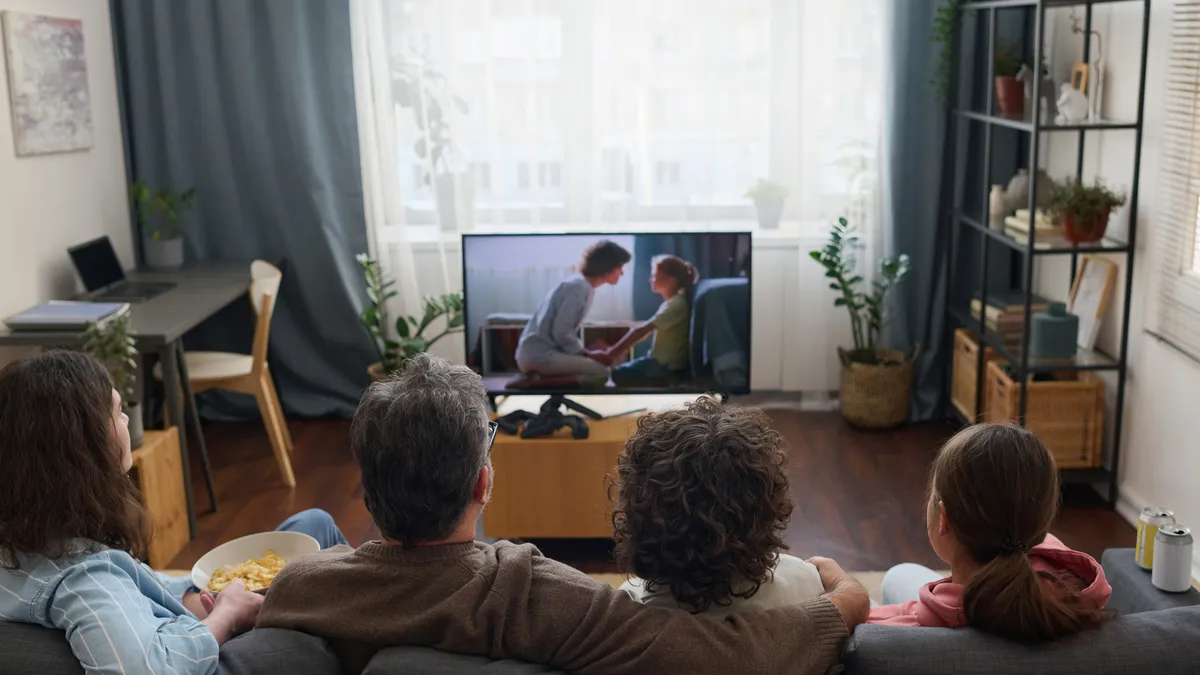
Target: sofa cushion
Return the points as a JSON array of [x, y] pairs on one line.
[[29, 649], [1166, 642], [270, 651], [423, 661]]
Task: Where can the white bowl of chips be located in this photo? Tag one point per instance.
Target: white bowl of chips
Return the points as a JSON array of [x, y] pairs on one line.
[[255, 559]]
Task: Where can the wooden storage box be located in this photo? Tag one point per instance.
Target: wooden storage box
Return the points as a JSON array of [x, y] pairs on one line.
[[1066, 414], [962, 383], [158, 472]]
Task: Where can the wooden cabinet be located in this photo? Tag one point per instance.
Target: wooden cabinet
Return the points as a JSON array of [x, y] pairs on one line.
[[158, 471]]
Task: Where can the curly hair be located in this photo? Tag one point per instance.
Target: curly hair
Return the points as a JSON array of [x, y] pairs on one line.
[[702, 501]]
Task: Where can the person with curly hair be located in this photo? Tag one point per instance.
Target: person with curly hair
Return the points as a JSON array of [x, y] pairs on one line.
[[702, 503]]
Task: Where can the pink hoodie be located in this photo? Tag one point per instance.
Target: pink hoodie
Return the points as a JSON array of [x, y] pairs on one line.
[[941, 602]]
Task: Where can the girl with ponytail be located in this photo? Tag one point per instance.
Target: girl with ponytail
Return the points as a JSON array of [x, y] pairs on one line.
[[993, 494], [673, 278]]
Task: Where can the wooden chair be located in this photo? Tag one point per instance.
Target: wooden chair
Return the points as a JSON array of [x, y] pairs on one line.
[[248, 374]]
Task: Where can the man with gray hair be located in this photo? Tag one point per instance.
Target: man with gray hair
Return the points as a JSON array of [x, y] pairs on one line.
[[422, 441]]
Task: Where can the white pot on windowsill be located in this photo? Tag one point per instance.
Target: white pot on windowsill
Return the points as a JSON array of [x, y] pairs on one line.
[[770, 212], [455, 201]]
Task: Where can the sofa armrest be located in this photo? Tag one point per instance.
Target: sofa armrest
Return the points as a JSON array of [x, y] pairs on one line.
[[1132, 591]]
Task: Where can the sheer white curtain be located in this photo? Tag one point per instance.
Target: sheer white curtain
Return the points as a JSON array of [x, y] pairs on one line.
[[613, 114]]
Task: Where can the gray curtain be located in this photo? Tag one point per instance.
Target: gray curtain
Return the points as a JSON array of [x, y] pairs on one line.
[[252, 103], [914, 123]]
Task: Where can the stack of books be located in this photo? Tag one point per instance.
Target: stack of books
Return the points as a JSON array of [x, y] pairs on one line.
[[1006, 315], [1046, 235]]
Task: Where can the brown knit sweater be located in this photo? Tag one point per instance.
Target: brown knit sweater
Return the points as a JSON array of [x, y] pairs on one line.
[[508, 601]]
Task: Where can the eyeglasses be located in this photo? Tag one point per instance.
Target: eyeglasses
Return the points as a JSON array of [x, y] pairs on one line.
[[492, 427]]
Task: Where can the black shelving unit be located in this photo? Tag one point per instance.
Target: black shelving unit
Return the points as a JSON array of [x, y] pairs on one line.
[[964, 117]]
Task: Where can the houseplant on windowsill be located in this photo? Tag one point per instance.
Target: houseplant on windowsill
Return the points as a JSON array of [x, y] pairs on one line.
[[1010, 92], [1083, 211], [111, 342], [397, 348], [158, 216], [876, 383], [768, 197]]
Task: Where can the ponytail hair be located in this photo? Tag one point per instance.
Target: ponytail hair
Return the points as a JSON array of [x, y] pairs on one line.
[[683, 272], [1000, 489]]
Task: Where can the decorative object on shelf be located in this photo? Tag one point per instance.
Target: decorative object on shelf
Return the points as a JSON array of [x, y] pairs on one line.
[[395, 353], [1045, 94], [1172, 571], [1079, 76], [1047, 233], [1017, 192], [1092, 82], [1090, 295], [768, 197], [997, 208], [1005, 315], [1082, 211], [1072, 106], [876, 383], [47, 84], [111, 342], [1010, 93], [418, 87], [158, 215], [1054, 333]]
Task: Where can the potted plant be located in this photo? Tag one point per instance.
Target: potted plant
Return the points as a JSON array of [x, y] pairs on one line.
[[1010, 92], [397, 348], [1083, 211], [941, 33], [876, 383], [158, 215], [425, 91], [111, 342], [768, 197]]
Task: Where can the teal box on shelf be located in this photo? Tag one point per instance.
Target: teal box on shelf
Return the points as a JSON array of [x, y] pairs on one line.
[[1055, 333]]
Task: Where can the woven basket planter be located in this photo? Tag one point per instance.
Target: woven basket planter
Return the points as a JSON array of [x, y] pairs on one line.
[[877, 396]]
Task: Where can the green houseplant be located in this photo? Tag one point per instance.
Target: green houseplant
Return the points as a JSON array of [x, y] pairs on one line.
[[876, 382], [158, 215], [111, 342], [1083, 210], [768, 197], [945, 22], [398, 343]]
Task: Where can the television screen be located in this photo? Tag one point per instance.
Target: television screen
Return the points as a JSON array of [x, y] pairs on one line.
[[611, 313]]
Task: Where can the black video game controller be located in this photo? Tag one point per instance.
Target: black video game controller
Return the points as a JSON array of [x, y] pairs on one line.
[[546, 424]]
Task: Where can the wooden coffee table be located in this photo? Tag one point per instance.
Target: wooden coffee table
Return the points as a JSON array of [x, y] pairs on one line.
[[555, 487]]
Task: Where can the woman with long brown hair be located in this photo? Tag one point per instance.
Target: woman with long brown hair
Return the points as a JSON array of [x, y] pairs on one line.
[[72, 529], [993, 495]]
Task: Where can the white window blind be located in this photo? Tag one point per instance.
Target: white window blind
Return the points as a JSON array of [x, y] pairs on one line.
[[1177, 313]]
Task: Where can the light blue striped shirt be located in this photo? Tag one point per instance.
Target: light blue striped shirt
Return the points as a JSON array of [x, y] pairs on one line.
[[118, 614]]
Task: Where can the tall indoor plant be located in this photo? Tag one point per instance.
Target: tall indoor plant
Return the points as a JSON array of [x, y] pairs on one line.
[[111, 342], [158, 215], [768, 197], [876, 382], [1083, 210], [397, 343]]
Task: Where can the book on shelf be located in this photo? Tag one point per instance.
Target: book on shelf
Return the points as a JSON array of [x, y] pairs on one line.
[[1043, 242], [1002, 302], [1021, 220]]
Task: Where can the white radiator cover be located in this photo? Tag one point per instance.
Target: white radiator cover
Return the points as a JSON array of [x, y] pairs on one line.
[[796, 328]]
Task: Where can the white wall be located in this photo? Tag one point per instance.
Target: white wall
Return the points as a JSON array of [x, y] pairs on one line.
[[52, 202], [1160, 456]]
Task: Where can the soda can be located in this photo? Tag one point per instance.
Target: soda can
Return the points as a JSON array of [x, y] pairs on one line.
[[1172, 559], [1152, 518]]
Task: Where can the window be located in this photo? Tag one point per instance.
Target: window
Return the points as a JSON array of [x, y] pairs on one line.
[[666, 110], [1176, 314]]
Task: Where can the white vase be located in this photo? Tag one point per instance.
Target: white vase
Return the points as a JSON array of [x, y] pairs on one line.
[[997, 208]]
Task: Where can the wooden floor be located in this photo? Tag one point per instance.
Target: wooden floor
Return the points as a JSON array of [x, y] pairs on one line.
[[859, 496]]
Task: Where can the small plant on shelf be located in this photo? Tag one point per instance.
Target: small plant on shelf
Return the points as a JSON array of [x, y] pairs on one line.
[[1010, 92], [1083, 210], [396, 344]]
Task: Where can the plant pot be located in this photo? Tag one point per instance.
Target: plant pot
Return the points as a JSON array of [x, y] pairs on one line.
[[770, 211], [163, 254], [877, 396], [1082, 233], [136, 427], [1010, 96], [455, 201]]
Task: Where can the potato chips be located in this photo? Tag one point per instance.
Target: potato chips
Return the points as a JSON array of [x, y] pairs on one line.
[[256, 574]]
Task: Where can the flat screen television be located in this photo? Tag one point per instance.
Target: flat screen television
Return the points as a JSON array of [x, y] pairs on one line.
[[608, 313]]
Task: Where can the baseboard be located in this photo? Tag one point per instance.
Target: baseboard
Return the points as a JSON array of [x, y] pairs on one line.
[[1129, 507]]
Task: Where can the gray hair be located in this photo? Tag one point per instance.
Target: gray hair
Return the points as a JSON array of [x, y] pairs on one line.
[[420, 439]]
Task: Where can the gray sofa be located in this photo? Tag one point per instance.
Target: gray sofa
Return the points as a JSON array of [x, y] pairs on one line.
[[1154, 632]]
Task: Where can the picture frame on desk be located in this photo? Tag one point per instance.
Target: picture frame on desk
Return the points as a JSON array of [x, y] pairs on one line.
[[1090, 294]]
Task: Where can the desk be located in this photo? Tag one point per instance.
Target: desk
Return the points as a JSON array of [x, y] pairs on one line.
[[201, 290]]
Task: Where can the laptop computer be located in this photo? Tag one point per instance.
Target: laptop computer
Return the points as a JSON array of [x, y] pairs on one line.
[[104, 279]]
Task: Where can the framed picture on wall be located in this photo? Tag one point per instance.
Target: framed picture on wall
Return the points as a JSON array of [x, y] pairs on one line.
[[1090, 295]]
